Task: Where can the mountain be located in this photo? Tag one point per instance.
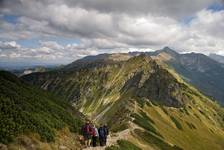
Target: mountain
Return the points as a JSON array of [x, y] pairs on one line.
[[144, 101], [21, 72], [30, 117], [197, 69], [97, 60], [218, 58]]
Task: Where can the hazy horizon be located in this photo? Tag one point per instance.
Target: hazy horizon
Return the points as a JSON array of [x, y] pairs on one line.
[[21, 64]]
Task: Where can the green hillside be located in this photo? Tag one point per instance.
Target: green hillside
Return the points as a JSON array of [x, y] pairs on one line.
[[25, 110], [149, 101]]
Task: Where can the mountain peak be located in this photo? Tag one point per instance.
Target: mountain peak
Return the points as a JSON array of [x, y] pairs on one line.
[[169, 50], [143, 57]]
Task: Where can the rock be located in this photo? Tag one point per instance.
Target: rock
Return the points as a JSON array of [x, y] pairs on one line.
[[3, 147], [62, 147]]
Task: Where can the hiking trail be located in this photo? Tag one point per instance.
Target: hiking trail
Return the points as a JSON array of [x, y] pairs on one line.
[[114, 137], [112, 140]]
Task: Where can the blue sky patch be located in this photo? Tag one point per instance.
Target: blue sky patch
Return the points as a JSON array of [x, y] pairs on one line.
[[29, 43], [10, 18], [63, 40], [216, 7], [187, 20], [33, 43]]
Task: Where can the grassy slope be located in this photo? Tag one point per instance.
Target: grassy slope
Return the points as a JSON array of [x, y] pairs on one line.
[[110, 93], [25, 109], [123, 145], [202, 130]]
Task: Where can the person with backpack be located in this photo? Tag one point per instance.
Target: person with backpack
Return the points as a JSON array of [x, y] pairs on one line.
[[102, 135], [87, 132], [106, 130], [95, 136]]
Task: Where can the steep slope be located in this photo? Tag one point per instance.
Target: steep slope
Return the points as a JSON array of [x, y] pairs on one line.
[[197, 69], [89, 61], [156, 107], [32, 116]]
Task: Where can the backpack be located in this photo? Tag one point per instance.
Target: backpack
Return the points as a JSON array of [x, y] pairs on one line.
[[101, 132], [94, 132], [88, 129], [106, 130]]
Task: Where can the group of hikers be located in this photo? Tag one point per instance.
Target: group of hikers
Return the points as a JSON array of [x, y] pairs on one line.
[[92, 134]]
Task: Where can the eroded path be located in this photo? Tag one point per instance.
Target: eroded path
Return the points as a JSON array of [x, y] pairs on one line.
[[112, 139]]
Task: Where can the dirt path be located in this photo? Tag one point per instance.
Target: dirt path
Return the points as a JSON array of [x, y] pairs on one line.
[[112, 139]]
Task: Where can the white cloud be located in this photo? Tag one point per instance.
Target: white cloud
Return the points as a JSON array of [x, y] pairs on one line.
[[110, 26], [48, 51], [204, 33], [9, 45], [51, 45]]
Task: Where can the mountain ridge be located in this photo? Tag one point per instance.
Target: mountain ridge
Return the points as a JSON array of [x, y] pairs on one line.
[[195, 68], [203, 72], [143, 93]]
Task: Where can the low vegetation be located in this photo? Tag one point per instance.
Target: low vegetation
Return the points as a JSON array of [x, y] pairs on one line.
[[25, 109], [145, 122], [123, 145], [176, 122], [154, 141]]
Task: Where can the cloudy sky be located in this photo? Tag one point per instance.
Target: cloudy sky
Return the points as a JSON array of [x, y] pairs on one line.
[[60, 31]]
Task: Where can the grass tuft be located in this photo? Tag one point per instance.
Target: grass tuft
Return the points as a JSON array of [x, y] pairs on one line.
[[123, 145]]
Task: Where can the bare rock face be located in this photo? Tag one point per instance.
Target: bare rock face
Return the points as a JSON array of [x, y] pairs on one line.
[[163, 88], [158, 86]]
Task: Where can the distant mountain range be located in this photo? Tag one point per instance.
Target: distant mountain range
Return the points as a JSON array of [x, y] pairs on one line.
[[148, 95], [203, 72], [218, 58], [9, 66], [199, 70]]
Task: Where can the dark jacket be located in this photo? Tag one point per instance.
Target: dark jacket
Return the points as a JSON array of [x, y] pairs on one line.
[[102, 132], [106, 130]]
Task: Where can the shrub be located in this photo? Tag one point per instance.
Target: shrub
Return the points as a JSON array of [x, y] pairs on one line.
[[176, 122], [27, 109], [123, 145]]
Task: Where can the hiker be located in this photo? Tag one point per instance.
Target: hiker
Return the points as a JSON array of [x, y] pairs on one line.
[[106, 130], [102, 135], [87, 133], [95, 135]]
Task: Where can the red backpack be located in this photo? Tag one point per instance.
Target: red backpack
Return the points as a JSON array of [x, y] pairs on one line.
[[88, 129], [93, 132]]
